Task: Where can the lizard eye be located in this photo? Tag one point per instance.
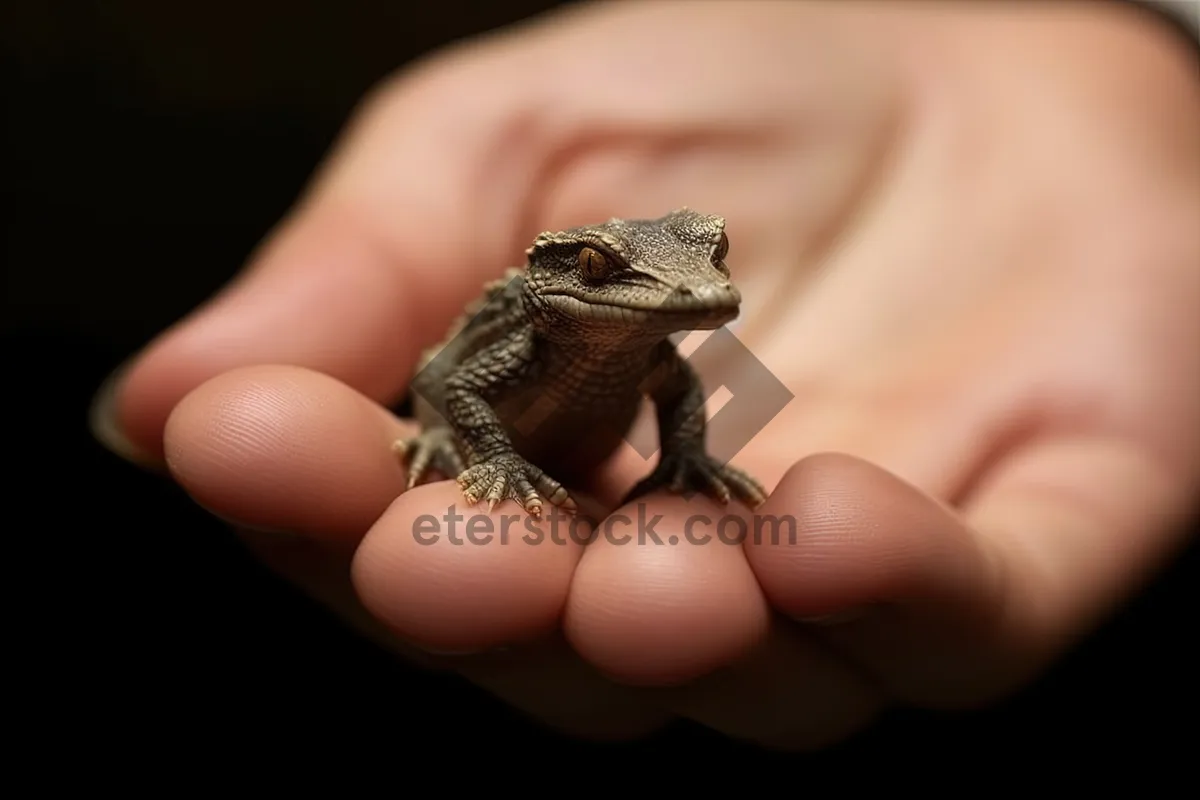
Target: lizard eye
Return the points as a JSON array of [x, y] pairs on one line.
[[718, 256], [593, 264], [722, 249]]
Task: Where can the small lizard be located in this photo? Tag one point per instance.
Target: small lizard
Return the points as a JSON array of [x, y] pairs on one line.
[[544, 374]]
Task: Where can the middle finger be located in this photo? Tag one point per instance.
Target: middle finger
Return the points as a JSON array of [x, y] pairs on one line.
[[665, 599]]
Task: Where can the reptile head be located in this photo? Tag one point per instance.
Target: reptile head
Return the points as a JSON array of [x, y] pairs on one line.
[[645, 275]]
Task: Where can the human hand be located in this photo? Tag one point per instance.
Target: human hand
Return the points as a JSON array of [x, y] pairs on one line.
[[966, 243]]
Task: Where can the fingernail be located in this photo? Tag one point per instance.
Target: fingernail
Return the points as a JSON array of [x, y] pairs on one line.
[[102, 421]]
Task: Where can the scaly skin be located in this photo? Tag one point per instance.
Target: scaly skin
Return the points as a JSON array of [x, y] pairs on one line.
[[543, 376]]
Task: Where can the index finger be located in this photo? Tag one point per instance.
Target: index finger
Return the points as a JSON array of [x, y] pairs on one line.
[[373, 261]]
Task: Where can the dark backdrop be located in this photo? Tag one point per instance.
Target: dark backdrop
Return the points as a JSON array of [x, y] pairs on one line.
[[149, 146]]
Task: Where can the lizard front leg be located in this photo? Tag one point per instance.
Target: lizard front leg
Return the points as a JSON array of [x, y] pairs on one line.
[[436, 447], [495, 471], [684, 462]]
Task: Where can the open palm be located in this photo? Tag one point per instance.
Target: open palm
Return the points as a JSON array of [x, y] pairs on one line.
[[971, 271]]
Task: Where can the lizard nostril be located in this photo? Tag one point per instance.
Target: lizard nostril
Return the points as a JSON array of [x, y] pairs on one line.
[[685, 289]]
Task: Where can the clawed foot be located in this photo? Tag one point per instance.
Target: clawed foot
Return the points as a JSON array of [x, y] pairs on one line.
[[434, 449], [510, 477], [684, 472]]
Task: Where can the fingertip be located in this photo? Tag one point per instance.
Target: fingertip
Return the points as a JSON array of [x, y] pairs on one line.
[[907, 589], [453, 578], [660, 604], [840, 535], [284, 448]]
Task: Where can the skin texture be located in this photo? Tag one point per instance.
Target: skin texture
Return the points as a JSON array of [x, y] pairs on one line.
[[575, 339], [966, 243]]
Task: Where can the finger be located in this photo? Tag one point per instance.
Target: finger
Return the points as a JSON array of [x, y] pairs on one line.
[[840, 538], [671, 605], [286, 449], [298, 452], [454, 578], [649, 607], [937, 608], [368, 268], [545, 680], [326, 294], [301, 466], [484, 591]]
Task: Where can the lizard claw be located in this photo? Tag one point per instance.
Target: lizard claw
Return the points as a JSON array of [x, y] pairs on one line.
[[432, 450], [510, 477], [682, 473]]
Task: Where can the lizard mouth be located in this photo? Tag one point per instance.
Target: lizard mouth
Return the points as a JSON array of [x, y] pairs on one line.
[[680, 310]]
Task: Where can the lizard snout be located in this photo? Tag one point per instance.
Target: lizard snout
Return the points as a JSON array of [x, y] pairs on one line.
[[716, 295]]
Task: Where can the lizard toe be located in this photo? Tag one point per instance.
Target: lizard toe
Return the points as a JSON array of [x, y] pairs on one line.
[[734, 483], [687, 473], [474, 482], [510, 477], [737, 483], [497, 492], [554, 492], [527, 497], [430, 450], [718, 489]]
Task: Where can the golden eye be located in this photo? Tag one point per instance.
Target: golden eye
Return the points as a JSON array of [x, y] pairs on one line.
[[592, 263], [722, 248]]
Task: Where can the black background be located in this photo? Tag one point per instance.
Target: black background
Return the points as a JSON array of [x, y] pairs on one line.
[[150, 146]]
